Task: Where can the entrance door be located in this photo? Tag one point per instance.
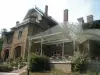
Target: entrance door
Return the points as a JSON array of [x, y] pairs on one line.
[[6, 54]]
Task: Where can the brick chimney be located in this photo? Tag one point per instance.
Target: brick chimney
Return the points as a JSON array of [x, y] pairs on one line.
[[89, 18], [66, 15], [80, 20], [46, 10]]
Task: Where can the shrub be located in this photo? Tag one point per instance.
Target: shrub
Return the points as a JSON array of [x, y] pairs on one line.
[[18, 63], [5, 68], [18, 60], [25, 60], [80, 64], [22, 64], [10, 64], [39, 63]]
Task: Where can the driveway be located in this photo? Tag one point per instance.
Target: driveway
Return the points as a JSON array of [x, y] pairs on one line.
[[3, 73]]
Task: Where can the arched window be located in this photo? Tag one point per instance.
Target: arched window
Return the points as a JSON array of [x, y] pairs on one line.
[[6, 54], [18, 51]]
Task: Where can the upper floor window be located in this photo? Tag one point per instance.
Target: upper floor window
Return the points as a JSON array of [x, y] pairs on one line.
[[9, 39], [19, 34]]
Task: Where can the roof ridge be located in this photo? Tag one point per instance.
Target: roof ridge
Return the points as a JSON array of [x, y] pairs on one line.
[[39, 10]]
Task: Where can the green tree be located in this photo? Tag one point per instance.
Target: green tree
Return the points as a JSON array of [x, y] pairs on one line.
[[3, 31], [1, 43]]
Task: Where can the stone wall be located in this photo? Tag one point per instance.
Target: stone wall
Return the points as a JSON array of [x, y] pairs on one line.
[[34, 29], [19, 42], [38, 27], [7, 42], [64, 67]]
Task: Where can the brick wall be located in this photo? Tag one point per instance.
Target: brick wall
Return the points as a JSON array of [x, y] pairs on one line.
[[19, 42]]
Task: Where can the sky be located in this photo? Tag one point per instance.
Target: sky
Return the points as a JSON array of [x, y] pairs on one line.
[[15, 10]]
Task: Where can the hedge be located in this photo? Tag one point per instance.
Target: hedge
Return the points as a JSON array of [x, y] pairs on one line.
[[5, 68], [39, 64]]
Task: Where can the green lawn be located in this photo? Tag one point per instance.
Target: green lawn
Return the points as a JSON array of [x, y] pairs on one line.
[[56, 73], [50, 73]]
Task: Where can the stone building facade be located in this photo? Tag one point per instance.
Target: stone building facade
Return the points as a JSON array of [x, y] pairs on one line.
[[16, 41]]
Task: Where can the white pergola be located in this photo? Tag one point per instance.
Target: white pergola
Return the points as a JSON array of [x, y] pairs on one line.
[[55, 35], [54, 38], [47, 39]]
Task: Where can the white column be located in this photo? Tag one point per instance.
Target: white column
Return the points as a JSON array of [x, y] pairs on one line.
[[88, 47], [62, 49], [29, 47]]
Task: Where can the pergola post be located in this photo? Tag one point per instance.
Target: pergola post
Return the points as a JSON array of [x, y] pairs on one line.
[[29, 47], [41, 46], [88, 47], [63, 49], [74, 46], [78, 48], [14, 54]]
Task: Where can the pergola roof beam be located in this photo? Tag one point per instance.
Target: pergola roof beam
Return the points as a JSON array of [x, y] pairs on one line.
[[53, 41], [32, 37]]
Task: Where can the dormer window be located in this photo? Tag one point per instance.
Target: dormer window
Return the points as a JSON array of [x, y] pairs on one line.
[[19, 34]]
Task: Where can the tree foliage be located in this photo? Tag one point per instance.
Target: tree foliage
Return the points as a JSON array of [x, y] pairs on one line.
[[80, 64], [3, 31], [1, 43]]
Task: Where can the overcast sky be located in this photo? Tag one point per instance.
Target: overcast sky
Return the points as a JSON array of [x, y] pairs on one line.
[[15, 10]]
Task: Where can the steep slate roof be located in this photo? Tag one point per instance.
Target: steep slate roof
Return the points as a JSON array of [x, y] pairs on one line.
[[36, 9], [93, 25]]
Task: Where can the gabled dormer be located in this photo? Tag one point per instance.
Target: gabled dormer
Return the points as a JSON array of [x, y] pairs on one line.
[[38, 15]]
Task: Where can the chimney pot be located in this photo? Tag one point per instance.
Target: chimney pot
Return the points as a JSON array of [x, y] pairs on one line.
[[80, 20], [66, 15], [46, 10], [89, 18]]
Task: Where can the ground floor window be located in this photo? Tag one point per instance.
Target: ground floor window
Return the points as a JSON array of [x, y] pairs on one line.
[[6, 54], [18, 51]]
